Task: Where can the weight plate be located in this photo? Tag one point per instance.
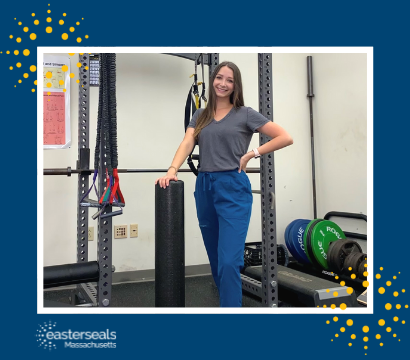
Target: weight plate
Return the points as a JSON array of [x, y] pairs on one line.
[[318, 237], [296, 233], [362, 269], [352, 262], [306, 241], [339, 251], [288, 243]]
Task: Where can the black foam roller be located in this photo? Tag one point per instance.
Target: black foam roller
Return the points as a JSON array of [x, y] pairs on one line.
[[69, 274], [169, 245]]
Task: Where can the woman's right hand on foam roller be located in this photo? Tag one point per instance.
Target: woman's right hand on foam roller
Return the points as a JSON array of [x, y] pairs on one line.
[[164, 181]]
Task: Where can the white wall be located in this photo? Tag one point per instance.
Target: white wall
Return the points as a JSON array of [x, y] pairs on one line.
[[151, 95]]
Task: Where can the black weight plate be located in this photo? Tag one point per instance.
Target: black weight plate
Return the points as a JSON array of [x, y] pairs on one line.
[[338, 253], [352, 262], [362, 269]]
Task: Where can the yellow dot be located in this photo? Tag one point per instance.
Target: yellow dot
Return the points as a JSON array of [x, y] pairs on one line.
[[365, 339], [33, 68], [396, 294], [72, 75], [77, 23], [36, 22], [33, 36], [78, 81], [365, 265], [381, 290], [381, 344], [16, 52], [19, 22], [381, 269], [406, 306], [35, 82], [49, 93], [26, 52], [381, 322], [25, 29], [350, 269], [49, 11], [336, 277], [394, 277], [350, 344], [353, 276], [7, 52], [342, 329], [14, 85], [49, 19], [365, 347], [349, 290], [394, 335], [48, 100], [388, 306], [49, 29], [11, 67], [79, 40], [61, 22], [48, 85], [71, 54], [64, 36], [327, 290], [64, 68], [403, 322], [335, 294], [366, 274], [25, 75], [336, 335], [396, 318], [33, 90], [64, 14], [78, 64], [72, 29], [398, 306], [86, 68], [33, 14], [333, 306], [64, 90], [324, 306], [403, 291], [388, 283], [49, 74], [81, 53], [365, 283], [378, 336], [18, 40], [353, 336], [343, 306], [61, 82], [365, 329], [378, 276], [388, 329], [327, 322], [86, 36], [19, 81], [342, 283], [18, 65], [349, 322], [82, 18]]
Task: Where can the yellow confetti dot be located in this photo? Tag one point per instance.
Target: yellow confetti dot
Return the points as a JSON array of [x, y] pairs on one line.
[[19, 22], [396, 318], [381, 290], [49, 74], [26, 52], [378, 336], [78, 81], [33, 68], [353, 336], [49, 19], [35, 82], [394, 335], [349, 322], [64, 36], [388, 306], [365, 339], [381, 269], [324, 306], [350, 344], [394, 277], [342, 329], [71, 54], [82, 18], [333, 306], [378, 276], [49, 29], [78, 64], [48, 100], [18, 40], [336, 277], [48, 85], [388, 283], [396, 294], [49, 11], [353, 276], [7, 52], [18, 65], [381, 322], [403, 322], [14, 85], [72, 29], [64, 14], [72, 75], [403, 291], [81, 53], [365, 347], [61, 22], [77, 23], [388, 329], [64, 68], [11, 67], [25, 29], [406, 306], [342, 283], [350, 269], [335, 293], [79, 40], [64, 90], [33, 36], [86, 68], [343, 306], [365, 265], [336, 335], [327, 290], [61, 82], [398, 306], [25, 75], [349, 290], [365, 283], [86, 36], [327, 322], [381, 344], [16, 52], [19, 81], [366, 274], [33, 14], [365, 329], [36, 22], [33, 90], [49, 93]]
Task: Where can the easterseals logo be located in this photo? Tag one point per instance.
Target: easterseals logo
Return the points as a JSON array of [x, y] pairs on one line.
[[49, 338]]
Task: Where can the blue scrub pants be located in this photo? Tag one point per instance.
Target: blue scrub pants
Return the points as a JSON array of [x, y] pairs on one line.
[[224, 203]]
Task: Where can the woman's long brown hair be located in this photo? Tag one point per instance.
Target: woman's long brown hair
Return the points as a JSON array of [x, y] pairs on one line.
[[236, 98]]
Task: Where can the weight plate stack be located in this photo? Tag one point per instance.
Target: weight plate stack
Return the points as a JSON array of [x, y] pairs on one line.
[[319, 234], [294, 240], [353, 262], [338, 252]]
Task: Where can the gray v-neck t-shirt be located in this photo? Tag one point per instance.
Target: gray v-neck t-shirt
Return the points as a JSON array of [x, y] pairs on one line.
[[222, 143]]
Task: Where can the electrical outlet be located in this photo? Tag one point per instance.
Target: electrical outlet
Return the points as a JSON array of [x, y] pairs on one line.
[[120, 232], [91, 233], [133, 230]]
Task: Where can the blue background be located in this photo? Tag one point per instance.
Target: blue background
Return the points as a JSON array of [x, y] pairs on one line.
[[128, 23]]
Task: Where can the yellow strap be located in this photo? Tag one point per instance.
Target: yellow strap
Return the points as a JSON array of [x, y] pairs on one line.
[[197, 101]]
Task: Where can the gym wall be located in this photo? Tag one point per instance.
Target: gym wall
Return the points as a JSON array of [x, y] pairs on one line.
[[151, 95]]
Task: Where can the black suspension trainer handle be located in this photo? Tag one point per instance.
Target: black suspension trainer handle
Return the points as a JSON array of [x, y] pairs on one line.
[[349, 216]]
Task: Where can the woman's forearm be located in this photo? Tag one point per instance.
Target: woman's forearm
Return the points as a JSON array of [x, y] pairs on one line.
[[184, 149]]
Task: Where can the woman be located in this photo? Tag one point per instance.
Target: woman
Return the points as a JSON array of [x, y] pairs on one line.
[[223, 193]]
